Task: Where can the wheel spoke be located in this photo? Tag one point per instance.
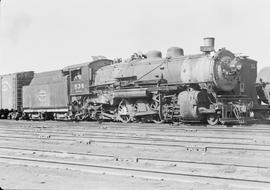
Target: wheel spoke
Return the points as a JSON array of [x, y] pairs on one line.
[[123, 112], [155, 106]]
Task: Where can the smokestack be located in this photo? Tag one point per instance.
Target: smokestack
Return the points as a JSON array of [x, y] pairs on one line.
[[209, 45]]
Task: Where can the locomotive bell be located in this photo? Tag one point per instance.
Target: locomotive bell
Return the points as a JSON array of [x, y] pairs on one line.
[[209, 45]]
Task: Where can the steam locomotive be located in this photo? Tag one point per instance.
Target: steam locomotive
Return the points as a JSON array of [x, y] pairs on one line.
[[193, 88], [214, 86]]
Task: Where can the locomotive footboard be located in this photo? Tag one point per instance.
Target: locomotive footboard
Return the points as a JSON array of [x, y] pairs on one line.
[[233, 109]]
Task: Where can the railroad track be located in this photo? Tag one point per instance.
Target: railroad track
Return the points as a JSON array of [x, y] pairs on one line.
[[176, 134], [225, 134], [134, 136], [139, 172], [147, 126], [187, 135], [35, 151], [124, 139], [140, 128], [210, 147], [210, 144], [179, 133], [232, 141]]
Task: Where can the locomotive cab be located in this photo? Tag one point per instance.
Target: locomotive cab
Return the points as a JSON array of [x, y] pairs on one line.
[[82, 75], [81, 78], [79, 81]]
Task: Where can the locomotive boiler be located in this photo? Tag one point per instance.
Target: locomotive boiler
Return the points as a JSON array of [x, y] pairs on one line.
[[178, 87]]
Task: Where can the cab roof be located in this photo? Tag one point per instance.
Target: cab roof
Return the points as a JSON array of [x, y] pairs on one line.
[[77, 66]]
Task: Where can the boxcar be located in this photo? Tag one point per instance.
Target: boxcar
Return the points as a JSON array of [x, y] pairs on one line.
[[11, 92]]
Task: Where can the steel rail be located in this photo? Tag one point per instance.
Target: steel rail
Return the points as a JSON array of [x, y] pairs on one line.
[[164, 129], [180, 138], [97, 138], [137, 172], [187, 145], [123, 134], [136, 159], [172, 134], [139, 125]]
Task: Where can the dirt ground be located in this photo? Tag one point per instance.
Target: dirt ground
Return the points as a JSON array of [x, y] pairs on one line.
[[26, 177]]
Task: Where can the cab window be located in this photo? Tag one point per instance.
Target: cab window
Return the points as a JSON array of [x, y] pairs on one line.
[[76, 75]]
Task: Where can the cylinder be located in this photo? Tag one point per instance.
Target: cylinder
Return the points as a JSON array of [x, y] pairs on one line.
[[209, 41], [175, 52]]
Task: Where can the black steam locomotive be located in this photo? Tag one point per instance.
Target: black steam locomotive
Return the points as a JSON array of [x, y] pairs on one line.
[[214, 86]]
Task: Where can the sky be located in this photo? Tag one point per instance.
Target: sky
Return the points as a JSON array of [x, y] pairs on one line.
[[44, 35]]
